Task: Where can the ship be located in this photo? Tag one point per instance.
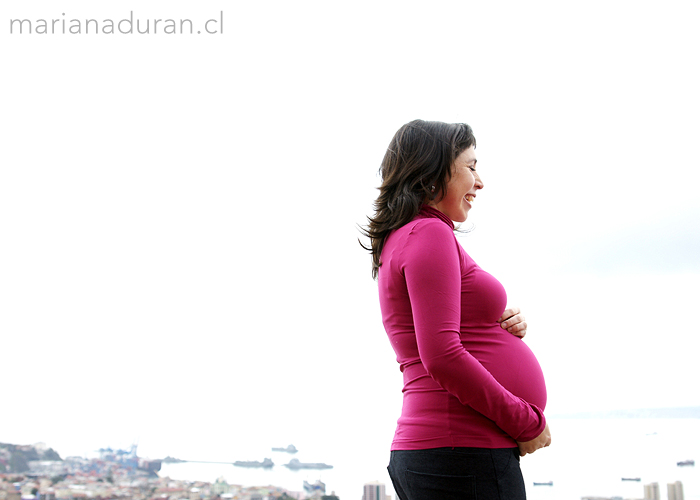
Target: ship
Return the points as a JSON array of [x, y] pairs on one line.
[[317, 486], [295, 464], [548, 483], [685, 463], [150, 466], [289, 449], [265, 463], [631, 478]]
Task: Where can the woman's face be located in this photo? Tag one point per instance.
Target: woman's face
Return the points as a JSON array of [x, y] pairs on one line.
[[462, 188]]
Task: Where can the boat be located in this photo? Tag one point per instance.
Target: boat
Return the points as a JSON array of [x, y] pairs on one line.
[[631, 478], [295, 464], [548, 483], [289, 449], [317, 486], [265, 463], [684, 463], [150, 466]]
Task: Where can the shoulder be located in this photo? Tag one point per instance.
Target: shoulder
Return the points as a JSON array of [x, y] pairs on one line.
[[429, 234]]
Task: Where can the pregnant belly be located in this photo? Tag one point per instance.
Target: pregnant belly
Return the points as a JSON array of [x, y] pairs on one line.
[[510, 361]]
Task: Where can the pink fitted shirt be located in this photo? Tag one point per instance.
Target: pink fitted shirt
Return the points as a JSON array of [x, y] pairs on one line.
[[467, 382]]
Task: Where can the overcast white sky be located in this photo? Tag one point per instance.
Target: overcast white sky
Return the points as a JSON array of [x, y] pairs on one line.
[[178, 212]]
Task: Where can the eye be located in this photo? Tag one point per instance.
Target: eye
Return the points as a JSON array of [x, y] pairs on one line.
[[472, 168]]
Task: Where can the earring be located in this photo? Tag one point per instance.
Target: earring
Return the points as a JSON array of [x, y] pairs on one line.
[[432, 189]]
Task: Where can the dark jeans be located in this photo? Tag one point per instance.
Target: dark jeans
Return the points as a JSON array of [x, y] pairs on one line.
[[457, 474]]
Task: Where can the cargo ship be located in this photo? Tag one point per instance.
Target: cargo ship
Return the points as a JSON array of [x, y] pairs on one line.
[[289, 449], [295, 464], [254, 464]]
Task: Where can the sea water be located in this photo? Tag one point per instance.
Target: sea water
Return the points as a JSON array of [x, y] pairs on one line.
[[588, 457]]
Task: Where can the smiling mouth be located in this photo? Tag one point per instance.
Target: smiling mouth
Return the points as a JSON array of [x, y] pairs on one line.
[[469, 197]]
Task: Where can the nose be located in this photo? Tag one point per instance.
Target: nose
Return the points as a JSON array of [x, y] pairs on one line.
[[478, 183]]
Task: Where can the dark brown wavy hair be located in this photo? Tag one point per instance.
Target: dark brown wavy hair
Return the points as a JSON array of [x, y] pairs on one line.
[[416, 169]]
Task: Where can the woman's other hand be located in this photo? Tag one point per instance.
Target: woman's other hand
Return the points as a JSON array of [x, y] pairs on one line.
[[513, 322], [541, 441]]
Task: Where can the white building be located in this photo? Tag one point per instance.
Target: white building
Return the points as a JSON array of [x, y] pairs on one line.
[[651, 491], [675, 491], [375, 491]]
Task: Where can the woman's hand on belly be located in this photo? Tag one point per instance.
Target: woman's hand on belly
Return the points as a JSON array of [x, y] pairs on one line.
[[513, 322], [541, 441]]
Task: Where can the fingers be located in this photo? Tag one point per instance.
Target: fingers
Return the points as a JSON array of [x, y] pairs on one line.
[[508, 313], [513, 322], [526, 448], [519, 329], [532, 446], [516, 325], [541, 441]]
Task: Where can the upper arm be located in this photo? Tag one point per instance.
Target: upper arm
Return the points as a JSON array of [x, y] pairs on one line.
[[433, 278]]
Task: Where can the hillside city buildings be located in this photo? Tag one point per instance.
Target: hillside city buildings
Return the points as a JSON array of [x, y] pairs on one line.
[[26, 474]]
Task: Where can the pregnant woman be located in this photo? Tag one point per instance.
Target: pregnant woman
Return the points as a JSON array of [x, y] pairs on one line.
[[474, 393]]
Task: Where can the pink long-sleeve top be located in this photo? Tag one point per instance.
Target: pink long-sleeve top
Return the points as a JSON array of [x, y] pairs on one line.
[[467, 382]]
